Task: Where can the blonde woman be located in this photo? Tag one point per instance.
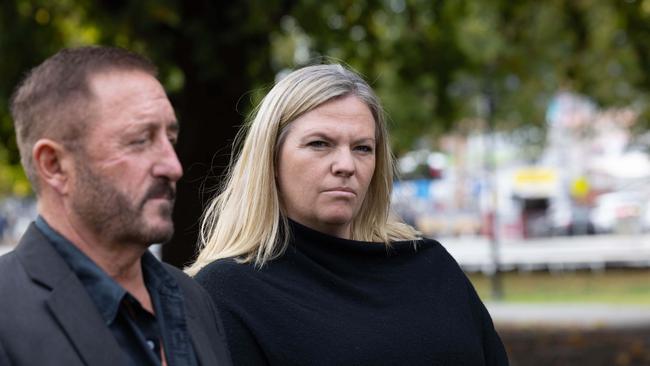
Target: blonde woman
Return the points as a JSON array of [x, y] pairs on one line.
[[300, 253]]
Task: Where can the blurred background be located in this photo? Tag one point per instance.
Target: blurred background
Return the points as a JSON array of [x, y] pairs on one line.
[[521, 130]]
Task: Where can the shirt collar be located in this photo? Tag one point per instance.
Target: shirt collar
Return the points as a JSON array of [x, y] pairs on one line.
[[104, 291], [156, 277]]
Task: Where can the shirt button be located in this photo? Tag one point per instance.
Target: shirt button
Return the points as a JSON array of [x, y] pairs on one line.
[[151, 344]]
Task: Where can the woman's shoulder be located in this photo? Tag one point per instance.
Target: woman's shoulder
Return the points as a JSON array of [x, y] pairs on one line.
[[222, 269], [226, 279], [420, 245], [428, 243], [222, 274], [434, 251]]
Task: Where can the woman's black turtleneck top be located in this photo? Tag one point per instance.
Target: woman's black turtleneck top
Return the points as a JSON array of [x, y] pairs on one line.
[[331, 301]]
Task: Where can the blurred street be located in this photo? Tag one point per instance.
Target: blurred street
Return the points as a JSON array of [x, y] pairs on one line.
[[569, 315], [594, 252]]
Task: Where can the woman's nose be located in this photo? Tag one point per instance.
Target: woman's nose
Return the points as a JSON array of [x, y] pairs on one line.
[[343, 163]]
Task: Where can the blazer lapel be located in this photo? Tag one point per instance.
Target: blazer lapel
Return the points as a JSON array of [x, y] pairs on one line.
[[69, 302], [81, 321]]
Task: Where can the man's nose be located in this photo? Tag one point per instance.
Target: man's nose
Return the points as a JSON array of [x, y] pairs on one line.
[[167, 163]]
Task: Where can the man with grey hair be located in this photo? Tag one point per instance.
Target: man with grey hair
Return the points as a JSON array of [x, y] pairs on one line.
[[96, 134]]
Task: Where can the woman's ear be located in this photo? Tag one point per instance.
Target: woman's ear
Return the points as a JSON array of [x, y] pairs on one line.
[[52, 163]]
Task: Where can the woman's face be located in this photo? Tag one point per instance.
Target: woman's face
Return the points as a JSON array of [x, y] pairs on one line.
[[325, 165]]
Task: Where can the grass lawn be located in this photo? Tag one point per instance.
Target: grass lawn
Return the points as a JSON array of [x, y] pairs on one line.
[[615, 286]]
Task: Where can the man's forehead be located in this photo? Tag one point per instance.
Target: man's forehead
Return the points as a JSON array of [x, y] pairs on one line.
[[113, 85], [131, 96], [125, 82]]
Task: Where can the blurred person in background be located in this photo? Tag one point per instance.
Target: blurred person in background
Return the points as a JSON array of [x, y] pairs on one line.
[[96, 135], [302, 258]]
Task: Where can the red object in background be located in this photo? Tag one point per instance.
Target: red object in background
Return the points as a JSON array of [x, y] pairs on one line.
[[435, 173], [487, 228]]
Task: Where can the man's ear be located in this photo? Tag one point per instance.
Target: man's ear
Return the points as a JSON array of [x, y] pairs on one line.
[[53, 163]]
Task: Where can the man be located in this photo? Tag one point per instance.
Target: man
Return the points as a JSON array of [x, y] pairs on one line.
[[96, 135]]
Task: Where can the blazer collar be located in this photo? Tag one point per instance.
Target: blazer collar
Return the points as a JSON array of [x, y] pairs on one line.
[[68, 300]]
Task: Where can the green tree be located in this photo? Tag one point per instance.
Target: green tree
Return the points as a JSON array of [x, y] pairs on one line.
[[431, 62]]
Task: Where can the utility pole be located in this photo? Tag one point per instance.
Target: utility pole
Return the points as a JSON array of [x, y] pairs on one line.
[[492, 182]]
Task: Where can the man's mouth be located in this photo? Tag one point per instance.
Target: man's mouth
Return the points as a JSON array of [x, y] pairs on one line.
[[161, 191]]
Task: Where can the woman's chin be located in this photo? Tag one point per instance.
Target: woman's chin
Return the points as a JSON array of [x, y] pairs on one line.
[[337, 218]]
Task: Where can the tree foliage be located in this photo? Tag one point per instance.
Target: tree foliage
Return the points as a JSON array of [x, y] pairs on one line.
[[432, 62]]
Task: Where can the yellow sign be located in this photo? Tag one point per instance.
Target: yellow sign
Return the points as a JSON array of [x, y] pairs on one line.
[[535, 182]]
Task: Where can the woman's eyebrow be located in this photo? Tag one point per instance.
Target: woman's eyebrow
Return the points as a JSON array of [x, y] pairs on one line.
[[321, 134], [365, 140]]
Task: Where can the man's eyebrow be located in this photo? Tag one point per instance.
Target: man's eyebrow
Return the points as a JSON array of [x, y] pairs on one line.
[[172, 127]]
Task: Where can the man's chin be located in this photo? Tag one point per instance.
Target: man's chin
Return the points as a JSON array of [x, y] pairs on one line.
[[160, 232], [159, 206], [159, 237]]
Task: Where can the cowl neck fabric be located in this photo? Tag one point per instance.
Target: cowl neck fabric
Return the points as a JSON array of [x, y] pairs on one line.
[[305, 238]]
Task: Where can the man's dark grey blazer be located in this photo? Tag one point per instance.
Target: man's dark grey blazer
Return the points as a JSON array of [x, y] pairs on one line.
[[48, 318]]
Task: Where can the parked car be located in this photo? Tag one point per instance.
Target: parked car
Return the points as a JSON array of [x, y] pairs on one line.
[[620, 212], [567, 218]]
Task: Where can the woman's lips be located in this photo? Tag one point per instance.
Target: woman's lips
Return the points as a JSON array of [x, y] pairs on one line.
[[342, 191]]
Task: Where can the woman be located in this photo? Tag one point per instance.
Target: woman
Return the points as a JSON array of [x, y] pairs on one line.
[[302, 258]]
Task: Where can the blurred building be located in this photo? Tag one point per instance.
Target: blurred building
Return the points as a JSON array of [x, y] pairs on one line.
[[589, 177]]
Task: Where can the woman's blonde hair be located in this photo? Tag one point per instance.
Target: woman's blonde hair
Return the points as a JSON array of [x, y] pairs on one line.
[[246, 220]]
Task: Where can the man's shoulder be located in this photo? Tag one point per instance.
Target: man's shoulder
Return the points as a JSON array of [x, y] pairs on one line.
[[204, 317], [15, 265], [176, 273], [194, 295], [10, 270], [8, 259], [185, 283]]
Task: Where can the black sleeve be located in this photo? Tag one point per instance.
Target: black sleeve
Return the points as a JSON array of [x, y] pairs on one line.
[[242, 344], [493, 349], [226, 358]]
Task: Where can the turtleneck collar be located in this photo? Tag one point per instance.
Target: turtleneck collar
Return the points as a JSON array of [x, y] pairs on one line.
[[304, 237]]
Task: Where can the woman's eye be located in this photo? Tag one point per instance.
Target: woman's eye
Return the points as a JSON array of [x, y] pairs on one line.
[[317, 143], [364, 148]]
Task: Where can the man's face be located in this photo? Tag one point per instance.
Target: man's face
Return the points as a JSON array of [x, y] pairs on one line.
[[126, 171]]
